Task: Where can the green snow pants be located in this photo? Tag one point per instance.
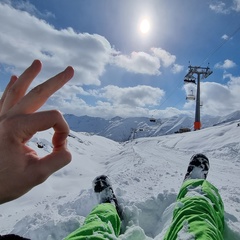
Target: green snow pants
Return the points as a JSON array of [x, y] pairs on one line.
[[102, 223], [198, 214]]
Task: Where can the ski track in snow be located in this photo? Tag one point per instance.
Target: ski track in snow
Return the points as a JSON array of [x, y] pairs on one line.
[[146, 174]]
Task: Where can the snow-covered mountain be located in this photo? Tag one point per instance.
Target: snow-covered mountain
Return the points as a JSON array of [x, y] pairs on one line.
[[124, 129], [146, 174], [228, 118]]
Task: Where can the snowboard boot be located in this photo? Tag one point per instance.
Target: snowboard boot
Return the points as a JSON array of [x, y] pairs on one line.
[[198, 167], [103, 189]]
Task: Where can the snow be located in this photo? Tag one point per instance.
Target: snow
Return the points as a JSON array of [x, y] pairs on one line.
[[146, 174], [197, 173], [184, 234]]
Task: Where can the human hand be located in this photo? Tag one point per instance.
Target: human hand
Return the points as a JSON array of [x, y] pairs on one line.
[[20, 167]]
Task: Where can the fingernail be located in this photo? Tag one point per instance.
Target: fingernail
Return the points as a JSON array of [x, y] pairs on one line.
[[69, 70], [36, 62]]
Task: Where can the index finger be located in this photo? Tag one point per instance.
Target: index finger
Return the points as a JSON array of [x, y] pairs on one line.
[[29, 124], [39, 95]]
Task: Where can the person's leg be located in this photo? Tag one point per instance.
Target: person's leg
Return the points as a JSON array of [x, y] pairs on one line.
[[102, 223], [104, 220], [199, 212]]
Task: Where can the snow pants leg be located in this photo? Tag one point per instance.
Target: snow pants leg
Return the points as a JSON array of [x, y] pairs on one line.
[[198, 214], [102, 223]]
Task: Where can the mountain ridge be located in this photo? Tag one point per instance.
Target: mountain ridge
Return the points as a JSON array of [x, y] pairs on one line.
[[123, 129]]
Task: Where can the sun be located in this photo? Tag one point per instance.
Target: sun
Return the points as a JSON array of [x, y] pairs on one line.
[[145, 26]]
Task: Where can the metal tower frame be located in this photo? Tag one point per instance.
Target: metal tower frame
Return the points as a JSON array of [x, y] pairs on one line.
[[189, 78]]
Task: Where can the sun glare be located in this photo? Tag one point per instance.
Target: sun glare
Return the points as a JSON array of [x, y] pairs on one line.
[[145, 26]]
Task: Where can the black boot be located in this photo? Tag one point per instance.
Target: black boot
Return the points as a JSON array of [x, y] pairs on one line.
[[198, 167], [103, 189]]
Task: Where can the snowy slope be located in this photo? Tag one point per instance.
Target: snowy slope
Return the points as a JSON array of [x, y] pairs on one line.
[[146, 174]]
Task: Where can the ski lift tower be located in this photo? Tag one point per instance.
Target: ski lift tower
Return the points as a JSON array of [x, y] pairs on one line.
[[189, 78]]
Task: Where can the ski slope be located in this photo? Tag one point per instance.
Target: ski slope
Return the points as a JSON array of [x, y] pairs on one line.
[[146, 174]]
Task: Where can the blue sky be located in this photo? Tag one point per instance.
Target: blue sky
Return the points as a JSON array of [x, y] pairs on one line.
[[120, 71]]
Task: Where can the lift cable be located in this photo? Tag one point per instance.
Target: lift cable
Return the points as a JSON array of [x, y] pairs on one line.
[[221, 44]]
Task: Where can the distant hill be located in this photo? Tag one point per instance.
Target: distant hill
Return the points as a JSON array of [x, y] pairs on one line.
[[124, 129]]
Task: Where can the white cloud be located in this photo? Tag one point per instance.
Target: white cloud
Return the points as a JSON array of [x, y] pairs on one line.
[[234, 81], [138, 96], [225, 37], [236, 5], [111, 101], [165, 57], [24, 38], [221, 7], [28, 7], [109, 110], [144, 63], [73, 89], [138, 62], [218, 99], [190, 88], [226, 64], [176, 68]]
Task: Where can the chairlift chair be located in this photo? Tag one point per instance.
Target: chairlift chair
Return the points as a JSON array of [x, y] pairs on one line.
[[190, 80], [190, 96], [152, 119]]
